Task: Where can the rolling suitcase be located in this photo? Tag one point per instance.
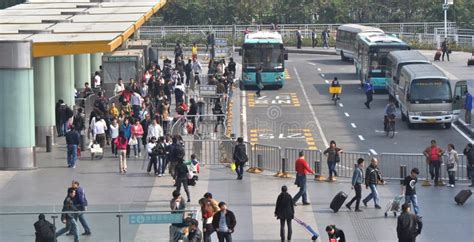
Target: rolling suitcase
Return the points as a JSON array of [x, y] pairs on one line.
[[337, 201], [462, 196], [394, 206], [308, 228], [437, 56]]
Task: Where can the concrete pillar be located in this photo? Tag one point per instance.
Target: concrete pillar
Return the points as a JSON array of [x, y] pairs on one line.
[[17, 121], [64, 79], [82, 70], [96, 61], [44, 99]]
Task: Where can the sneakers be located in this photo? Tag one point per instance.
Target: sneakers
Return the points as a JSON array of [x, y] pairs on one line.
[[378, 207], [452, 185], [365, 203], [358, 210], [349, 207], [87, 233]]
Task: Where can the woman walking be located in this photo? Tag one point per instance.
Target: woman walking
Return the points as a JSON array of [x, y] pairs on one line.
[[333, 154], [451, 164], [122, 142], [137, 135]]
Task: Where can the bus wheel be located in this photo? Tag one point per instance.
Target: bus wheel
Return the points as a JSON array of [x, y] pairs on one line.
[[447, 125]]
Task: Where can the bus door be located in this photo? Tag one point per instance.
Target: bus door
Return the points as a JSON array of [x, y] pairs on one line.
[[459, 98]]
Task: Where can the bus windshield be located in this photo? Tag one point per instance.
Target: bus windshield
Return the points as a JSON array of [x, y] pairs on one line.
[[269, 56], [430, 91]]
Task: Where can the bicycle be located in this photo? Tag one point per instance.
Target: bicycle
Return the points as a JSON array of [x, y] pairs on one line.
[[335, 91], [390, 125]]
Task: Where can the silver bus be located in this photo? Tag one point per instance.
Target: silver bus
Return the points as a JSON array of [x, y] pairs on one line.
[[425, 96], [346, 38], [395, 61]]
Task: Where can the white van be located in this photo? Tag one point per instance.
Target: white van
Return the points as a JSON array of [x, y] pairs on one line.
[[424, 94]]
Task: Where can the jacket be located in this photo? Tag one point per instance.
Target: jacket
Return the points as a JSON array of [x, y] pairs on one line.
[[44, 231], [68, 206], [358, 176], [72, 137], [180, 206], [181, 171], [469, 153], [408, 226], [284, 208], [175, 151], [427, 153], [137, 130], [229, 219], [338, 234], [372, 175], [195, 236], [80, 199], [121, 143], [302, 167], [240, 154], [127, 130]]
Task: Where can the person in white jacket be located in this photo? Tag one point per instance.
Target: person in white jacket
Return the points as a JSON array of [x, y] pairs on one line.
[[152, 157], [154, 130], [452, 160]]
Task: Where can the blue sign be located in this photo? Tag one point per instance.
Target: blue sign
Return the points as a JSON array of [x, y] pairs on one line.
[[155, 218]]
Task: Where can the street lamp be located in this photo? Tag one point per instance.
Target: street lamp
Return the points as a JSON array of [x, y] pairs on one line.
[[445, 8]]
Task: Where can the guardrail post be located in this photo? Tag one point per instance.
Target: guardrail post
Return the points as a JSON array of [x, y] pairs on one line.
[[317, 172], [403, 173], [54, 217], [284, 173], [426, 182], [119, 217], [49, 143], [259, 168]]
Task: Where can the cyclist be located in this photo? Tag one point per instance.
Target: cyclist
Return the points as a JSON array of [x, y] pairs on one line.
[[390, 113], [335, 83]]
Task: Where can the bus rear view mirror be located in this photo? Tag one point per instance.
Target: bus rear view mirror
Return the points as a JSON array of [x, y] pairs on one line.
[[285, 56]]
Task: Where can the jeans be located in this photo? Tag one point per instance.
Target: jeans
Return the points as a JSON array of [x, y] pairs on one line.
[[183, 181], [84, 224], [414, 201], [71, 155], [100, 139], [239, 169], [224, 236], [153, 161], [357, 197], [161, 164], [332, 168], [136, 111], [369, 97], [282, 228], [302, 192], [137, 146], [373, 194], [445, 52], [63, 128], [71, 225], [452, 179], [122, 160], [435, 167]]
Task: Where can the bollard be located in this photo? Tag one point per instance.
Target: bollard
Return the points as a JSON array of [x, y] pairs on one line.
[[426, 182], [119, 216], [259, 161], [317, 172], [49, 143], [83, 142], [403, 173]]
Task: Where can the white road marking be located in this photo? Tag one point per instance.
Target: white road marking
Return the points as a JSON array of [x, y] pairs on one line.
[[244, 115], [353, 125], [361, 137], [319, 69], [327, 82], [323, 137], [347, 114], [341, 105], [373, 152], [322, 75], [462, 133], [313, 64]]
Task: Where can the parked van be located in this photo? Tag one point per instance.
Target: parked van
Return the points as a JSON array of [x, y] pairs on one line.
[[395, 61], [424, 95]]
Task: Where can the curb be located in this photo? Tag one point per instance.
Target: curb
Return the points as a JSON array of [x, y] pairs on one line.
[[466, 128]]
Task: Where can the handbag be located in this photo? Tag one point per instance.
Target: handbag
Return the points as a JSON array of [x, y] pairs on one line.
[[133, 141], [337, 158], [450, 166], [233, 166]]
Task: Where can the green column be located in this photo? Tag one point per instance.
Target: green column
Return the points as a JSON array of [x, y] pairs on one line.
[[64, 79], [44, 99], [96, 61], [17, 119], [82, 70]]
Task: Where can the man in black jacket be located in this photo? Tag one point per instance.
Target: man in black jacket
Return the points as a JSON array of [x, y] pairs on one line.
[[469, 153], [224, 223], [188, 69], [176, 154], [240, 157], [72, 141], [408, 225], [285, 211], [181, 177], [372, 178], [45, 231], [69, 218]]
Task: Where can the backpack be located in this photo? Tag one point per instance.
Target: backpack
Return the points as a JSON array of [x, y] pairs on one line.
[[46, 231], [158, 150]]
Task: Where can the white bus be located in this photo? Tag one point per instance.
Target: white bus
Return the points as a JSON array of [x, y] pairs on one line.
[[346, 38]]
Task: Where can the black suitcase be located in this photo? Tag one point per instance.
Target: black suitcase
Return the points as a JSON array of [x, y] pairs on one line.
[[437, 56], [337, 201], [470, 62], [462, 196]]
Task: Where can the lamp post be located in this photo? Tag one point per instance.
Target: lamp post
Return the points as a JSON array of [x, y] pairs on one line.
[[445, 8]]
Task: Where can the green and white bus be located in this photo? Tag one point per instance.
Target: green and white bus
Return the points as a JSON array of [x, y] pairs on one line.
[[266, 50], [371, 57], [346, 38]]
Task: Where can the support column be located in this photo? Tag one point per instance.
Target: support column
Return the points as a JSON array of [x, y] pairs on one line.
[[17, 135], [44, 99], [64, 79], [96, 61], [82, 70]]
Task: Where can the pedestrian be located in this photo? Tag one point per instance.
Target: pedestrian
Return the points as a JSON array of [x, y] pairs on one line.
[[44, 230], [357, 180], [452, 161], [240, 157], [258, 80], [468, 108], [100, 127], [369, 91], [122, 143], [334, 156], [335, 234], [285, 211], [69, 218], [194, 51], [79, 121], [445, 49], [154, 129], [192, 113], [188, 69], [224, 223], [314, 38], [80, 201], [181, 178], [232, 67], [72, 141], [335, 83], [409, 189], [114, 134], [408, 225], [195, 234], [177, 202], [299, 38], [372, 178], [152, 155], [433, 155], [197, 69], [136, 102], [325, 37], [469, 153], [137, 135], [302, 168], [126, 127], [209, 207], [160, 151], [178, 52], [175, 155]]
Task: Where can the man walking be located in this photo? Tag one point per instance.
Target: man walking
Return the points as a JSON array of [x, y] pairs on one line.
[[468, 108], [433, 155], [469, 153], [410, 192], [176, 154], [285, 211], [224, 223], [69, 218], [258, 80], [445, 49], [72, 141], [335, 234], [369, 91], [188, 69], [240, 158], [80, 201], [325, 37], [357, 180], [408, 225], [302, 168], [314, 40], [181, 177], [372, 178]]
